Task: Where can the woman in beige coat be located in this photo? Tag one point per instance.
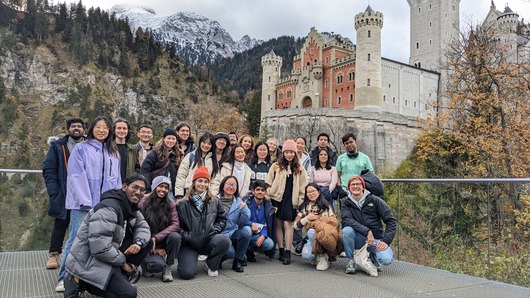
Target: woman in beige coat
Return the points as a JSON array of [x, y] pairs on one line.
[[235, 166], [287, 179]]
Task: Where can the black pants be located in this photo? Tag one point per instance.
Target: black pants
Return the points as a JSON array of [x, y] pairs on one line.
[[215, 249], [58, 232], [118, 286], [172, 246]]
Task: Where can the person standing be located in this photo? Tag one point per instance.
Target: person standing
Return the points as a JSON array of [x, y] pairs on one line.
[[129, 163], [325, 176], [260, 163], [184, 138], [111, 243], [234, 166], [55, 171], [144, 145], [247, 142], [287, 179], [222, 150], [93, 168], [274, 151], [352, 162], [232, 136], [323, 143], [303, 157]]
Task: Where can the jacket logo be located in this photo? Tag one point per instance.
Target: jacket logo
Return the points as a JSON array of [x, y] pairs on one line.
[[371, 204]]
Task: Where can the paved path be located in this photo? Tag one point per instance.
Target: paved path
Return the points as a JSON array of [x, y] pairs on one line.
[[22, 274]]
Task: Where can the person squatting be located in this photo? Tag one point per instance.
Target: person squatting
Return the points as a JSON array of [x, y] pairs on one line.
[[137, 209]]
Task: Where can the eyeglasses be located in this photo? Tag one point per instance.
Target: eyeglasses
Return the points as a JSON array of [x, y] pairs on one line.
[[231, 185], [311, 191], [356, 184], [101, 128], [76, 126], [138, 188], [323, 154]]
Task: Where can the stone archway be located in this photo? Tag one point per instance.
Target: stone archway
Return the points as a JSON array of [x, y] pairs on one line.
[[307, 103]]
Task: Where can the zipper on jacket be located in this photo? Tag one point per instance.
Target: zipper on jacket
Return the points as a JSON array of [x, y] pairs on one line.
[[102, 168]]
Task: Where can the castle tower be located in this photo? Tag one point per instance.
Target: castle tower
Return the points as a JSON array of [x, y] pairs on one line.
[[433, 25], [272, 65], [368, 94], [508, 23]]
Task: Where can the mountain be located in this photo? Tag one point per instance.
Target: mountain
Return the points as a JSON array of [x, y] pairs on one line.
[[195, 38]]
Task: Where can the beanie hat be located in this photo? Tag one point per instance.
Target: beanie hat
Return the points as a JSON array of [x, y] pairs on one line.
[[159, 180], [358, 178], [289, 145], [201, 172], [222, 135], [170, 132]]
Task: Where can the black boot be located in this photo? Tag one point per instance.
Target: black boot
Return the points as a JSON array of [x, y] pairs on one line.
[[300, 246], [237, 266], [287, 257], [251, 257], [281, 252]]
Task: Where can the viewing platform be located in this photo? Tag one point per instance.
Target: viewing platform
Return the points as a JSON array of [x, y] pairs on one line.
[[22, 274]]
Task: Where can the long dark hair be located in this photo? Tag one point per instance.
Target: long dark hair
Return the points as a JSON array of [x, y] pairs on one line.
[[198, 153], [296, 167], [163, 152], [222, 187], [317, 161], [321, 202], [255, 157], [107, 143], [157, 214]]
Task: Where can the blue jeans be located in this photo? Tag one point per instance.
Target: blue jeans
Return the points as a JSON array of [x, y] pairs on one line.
[[76, 219], [308, 246], [267, 244], [240, 240], [354, 240]]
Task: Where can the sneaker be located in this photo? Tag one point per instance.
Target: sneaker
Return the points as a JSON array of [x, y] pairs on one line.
[[375, 262], [202, 258], [211, 273], [54, 261], [166, 275], [342, 254], [134, 276], [313, 262], [322, 263], [60, 287], [350, 267]]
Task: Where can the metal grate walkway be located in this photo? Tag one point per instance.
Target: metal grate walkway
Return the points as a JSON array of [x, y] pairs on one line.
[[22, 274]]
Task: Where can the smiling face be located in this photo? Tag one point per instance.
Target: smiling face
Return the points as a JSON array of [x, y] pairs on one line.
[[230, 187], [184, 133], [322, 141], [273, 145], [121, 131], [246, 143], [356, 188], [323, 157], [162, 190], [239, 154], [134, 191], [259, 193], [312, 193], [201, 184], [289, 155], [206, 146], [170, 141], [145, 134], [350, 145], [220, 143], [100, 131], [262, 152], [76, 130], [300, 145]]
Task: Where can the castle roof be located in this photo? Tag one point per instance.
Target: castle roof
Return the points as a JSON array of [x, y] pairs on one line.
[[369, 9], [507, 11], [271, 53]]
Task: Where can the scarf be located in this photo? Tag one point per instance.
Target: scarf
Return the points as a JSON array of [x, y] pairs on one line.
[[198, 199]]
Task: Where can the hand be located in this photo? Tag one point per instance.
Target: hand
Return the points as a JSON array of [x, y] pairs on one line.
[[260, 240], [312, 216], [160, 251], [370, 238], [242, 205], [380, 246], [254, 228], [127, 267], [132, 250]]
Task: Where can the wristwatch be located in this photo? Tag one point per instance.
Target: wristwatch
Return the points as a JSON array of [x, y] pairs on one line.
[[139, 243]]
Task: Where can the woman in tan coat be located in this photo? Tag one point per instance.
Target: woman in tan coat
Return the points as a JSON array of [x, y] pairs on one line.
[[287, 180]]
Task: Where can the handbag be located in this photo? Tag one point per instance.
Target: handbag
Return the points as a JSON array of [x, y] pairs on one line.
[[363, 262]]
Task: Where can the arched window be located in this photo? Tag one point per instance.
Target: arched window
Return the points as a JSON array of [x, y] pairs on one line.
[[280, 95], [339, 79], [351, 97], [369, 33], [289, 93], [339, 100], [351, 76]]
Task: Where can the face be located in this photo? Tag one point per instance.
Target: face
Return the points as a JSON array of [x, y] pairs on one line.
[[350, 145], [262, 152], [272, 145], [201, 184], [289, 155], [300, 145], [239, 154], [323, 157], [162, 190], [134, 191], [145, 134], [230, 187], [76, 130], [101, 131], [121, 130], [356, 188], [184, 133], [170, 141], [206, 146], [246, 143], [259, 193], [220, 143], [233, 139], [322, 141], [312, 193]]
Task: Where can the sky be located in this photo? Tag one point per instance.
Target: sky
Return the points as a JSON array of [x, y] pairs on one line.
[[266, 19]]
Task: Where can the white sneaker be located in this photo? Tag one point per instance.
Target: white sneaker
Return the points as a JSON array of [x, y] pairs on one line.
[[166, 275], [60, 287], [342, 254], [210, 272], [322, 263], [202, 258]]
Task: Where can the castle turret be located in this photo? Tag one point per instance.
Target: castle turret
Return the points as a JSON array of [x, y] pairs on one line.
[[508, 23], [368, 94], [272, 65]]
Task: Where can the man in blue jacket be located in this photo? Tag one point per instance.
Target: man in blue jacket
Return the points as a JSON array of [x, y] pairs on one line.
[[54, 170]]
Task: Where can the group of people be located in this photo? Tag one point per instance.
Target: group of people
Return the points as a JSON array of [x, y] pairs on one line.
[[135, 209]]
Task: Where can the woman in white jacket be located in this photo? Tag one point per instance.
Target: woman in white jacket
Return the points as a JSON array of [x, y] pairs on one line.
[[235, 166], [204, 155]]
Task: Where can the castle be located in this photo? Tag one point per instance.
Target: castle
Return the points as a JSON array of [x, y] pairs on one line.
[[337, 87]]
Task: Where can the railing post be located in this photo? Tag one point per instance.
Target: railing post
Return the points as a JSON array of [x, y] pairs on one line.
[[399, 221], [489, 228]]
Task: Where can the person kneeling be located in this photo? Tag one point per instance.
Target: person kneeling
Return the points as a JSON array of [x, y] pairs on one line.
[[362, 213], [95, 263]]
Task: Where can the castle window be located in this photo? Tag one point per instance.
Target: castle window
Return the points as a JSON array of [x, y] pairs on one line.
[[368, 82], [454, 7], [269, 97], [414, 104], [389, 85], [406, 102], [430, 6], [351, 76], [368, 57], [339, 100], [430, 24], [325, 103], [339, 79], [280, 95], [384, 98], [289, 93], [419, 9], [269, 79], [326, 83], [369, 33], [315, 62], [417, 45], [394, 99], [327, 60], [430, 42], [351, 97]]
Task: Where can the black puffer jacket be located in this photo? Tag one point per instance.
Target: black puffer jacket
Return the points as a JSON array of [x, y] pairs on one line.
[[152, 167], [198, 227], [374, 211]]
